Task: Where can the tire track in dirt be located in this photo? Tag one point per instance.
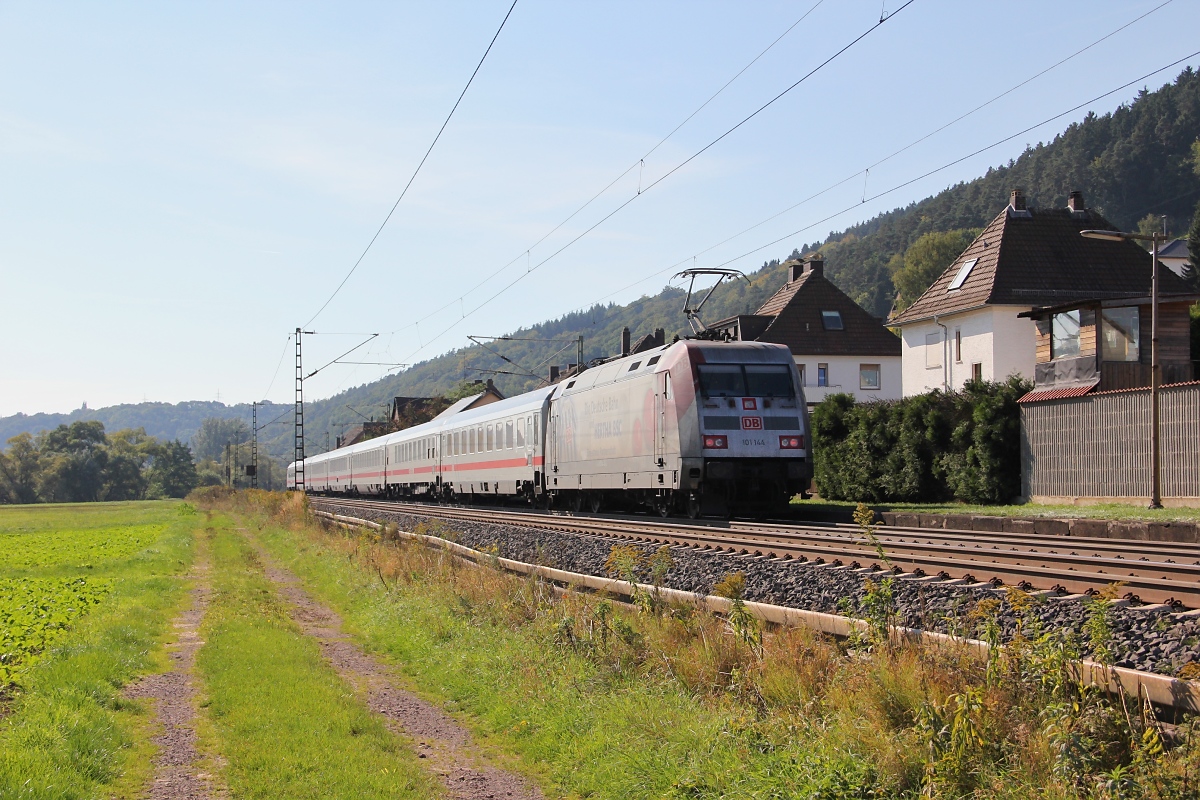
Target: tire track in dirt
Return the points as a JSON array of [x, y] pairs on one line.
[[446, 744], [177, 764]]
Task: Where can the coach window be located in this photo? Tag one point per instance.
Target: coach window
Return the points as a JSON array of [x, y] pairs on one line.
[[508, 435], [471, 441], [537, 431], [491, 437], [520, 432]]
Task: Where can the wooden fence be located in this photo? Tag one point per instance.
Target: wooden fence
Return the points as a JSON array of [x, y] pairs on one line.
[[1098, 446]]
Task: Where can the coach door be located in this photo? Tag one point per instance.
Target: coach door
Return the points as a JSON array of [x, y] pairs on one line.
[[551, 437], [661, 387]]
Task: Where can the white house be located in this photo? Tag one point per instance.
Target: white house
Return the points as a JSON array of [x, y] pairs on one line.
[[1175, 256], [838, 347], [968, 324]]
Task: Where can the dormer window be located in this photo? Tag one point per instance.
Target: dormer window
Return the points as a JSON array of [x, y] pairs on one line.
[[961, 277], [832, 320]]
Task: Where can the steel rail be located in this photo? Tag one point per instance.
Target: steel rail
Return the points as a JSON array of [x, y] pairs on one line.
[[1148, 572]]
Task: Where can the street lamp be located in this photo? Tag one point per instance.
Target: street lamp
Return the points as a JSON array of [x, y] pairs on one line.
[[1155, 367]]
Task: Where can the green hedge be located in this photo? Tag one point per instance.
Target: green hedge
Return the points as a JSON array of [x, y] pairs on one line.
[[928, 448]]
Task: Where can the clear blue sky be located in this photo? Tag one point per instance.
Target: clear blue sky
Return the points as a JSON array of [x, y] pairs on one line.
[[183, 184]]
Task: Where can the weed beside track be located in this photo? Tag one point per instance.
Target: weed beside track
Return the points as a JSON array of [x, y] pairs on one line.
[[604, 700]]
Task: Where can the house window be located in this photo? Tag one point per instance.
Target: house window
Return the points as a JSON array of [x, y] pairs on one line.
[[822, 374], [868, 376], [1119, 332], [963, 273], [832, 320], [803, 379], [977, 371], [958, 345], [933, 350], [1064, 334]]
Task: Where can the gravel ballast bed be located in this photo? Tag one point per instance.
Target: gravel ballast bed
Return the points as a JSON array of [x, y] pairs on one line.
[[1154, 640]]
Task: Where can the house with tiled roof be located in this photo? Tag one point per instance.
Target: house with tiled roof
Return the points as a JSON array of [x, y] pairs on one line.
[[838, 347], [1031, 297]]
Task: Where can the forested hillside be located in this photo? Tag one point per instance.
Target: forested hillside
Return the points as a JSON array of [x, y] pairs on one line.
[[1129, 164]]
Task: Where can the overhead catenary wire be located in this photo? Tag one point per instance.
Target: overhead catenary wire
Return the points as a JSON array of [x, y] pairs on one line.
[[639, 164], [897, 187], [669, 173], [970, 155], [852, 176], [424, 158], [877, 163]]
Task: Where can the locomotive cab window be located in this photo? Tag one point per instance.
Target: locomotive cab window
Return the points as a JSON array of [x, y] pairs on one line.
[[721, 380], [769, 380]]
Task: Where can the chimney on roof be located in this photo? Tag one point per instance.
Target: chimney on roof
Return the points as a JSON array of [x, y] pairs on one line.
[[660, 337], [1016, 200], [491, 387], [625, 341], [554, 373], [815, 264], [1075, 202]]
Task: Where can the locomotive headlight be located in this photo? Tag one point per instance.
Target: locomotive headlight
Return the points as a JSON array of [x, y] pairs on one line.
[[716, 442], [791, 442]]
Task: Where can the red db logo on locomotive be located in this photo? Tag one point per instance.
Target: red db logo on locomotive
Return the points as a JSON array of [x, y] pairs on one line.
[[752, 423]]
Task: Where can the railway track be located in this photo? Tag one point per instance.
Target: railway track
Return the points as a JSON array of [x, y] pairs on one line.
[[1151, 572]]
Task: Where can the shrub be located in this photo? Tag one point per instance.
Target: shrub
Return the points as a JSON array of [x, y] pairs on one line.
[[931, 447]]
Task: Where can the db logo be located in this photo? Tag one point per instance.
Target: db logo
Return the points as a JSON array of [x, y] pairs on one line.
[[752, 423]]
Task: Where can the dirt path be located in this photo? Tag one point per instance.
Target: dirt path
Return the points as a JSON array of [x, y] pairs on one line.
[[441, 740], [177, 766]]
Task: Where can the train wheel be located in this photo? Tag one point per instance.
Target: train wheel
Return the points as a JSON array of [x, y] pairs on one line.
[[577, 502], [693, 505], [595, 502], [663, 506]]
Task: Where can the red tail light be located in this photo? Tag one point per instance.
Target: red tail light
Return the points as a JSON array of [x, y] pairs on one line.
[[791, 442], [716, 443]]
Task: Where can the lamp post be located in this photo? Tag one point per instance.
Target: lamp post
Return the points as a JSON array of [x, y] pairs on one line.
[[1155, 367]]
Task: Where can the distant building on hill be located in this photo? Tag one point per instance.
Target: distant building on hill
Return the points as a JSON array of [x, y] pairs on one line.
[[1175, 256], [838, 347]]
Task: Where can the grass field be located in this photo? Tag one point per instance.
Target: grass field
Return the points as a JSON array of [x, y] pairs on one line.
[[86, 593], [590, 698]]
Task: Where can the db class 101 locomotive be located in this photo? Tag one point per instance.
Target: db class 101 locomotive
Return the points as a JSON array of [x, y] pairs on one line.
[[693, 427]]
